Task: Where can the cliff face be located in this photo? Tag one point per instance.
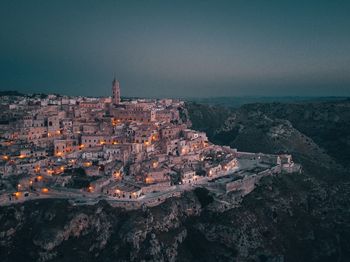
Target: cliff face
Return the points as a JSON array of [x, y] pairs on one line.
[[297, 217], [287, 218], [53, 230]]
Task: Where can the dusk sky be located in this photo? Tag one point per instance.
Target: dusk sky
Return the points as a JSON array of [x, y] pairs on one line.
[[176, 48]]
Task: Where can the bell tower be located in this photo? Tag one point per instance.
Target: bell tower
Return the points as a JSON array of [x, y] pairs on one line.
[[115, 92]]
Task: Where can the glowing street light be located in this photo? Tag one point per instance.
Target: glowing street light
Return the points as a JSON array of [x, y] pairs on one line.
[[149, 180], [59, 153]]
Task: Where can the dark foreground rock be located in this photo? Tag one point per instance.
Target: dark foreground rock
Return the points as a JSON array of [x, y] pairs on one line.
[[287, 218]]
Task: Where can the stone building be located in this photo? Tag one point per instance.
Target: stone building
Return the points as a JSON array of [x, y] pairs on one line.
[[115, 92]]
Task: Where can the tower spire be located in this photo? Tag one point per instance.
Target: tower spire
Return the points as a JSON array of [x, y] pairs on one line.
[[114, 79], [115, 91]]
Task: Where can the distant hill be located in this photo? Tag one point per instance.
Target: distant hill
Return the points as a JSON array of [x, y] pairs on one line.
[[324, 123], [243, 100], [10, 93]]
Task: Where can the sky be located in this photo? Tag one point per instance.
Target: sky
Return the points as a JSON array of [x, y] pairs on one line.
[[176, 48]]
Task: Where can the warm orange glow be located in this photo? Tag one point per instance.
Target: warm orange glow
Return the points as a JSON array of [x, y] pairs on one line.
[[48, 134], [50, 171], [58, 132], [37, 169], [90, 189], [17, 194], [5, 157], [87, 164], [21, 156], [30, 182], [117, 174], [59, 154], [114, 142], [81, 146], [62, 168], [39, 178], [19, 186], [117, 191], [146, 143], [155, 164], [114, 122], [149, 180], [45, 190], [102, 142]]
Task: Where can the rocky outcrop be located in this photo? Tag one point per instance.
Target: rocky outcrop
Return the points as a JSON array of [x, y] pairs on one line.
[[58, 230], [284, 215]]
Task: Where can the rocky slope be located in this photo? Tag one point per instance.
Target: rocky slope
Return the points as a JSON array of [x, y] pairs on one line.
[[287, 218], [53, 230], [298, 217], [327, 123]]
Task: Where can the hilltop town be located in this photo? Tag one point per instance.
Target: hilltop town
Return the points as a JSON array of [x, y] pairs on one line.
[[132, 153]]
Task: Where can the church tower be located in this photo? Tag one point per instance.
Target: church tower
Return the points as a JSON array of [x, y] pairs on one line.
[[115, 92]]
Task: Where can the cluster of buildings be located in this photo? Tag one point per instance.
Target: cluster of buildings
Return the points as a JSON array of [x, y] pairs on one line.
[[130, 150]]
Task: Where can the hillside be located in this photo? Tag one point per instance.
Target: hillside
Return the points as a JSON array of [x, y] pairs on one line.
[[297, 217]]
